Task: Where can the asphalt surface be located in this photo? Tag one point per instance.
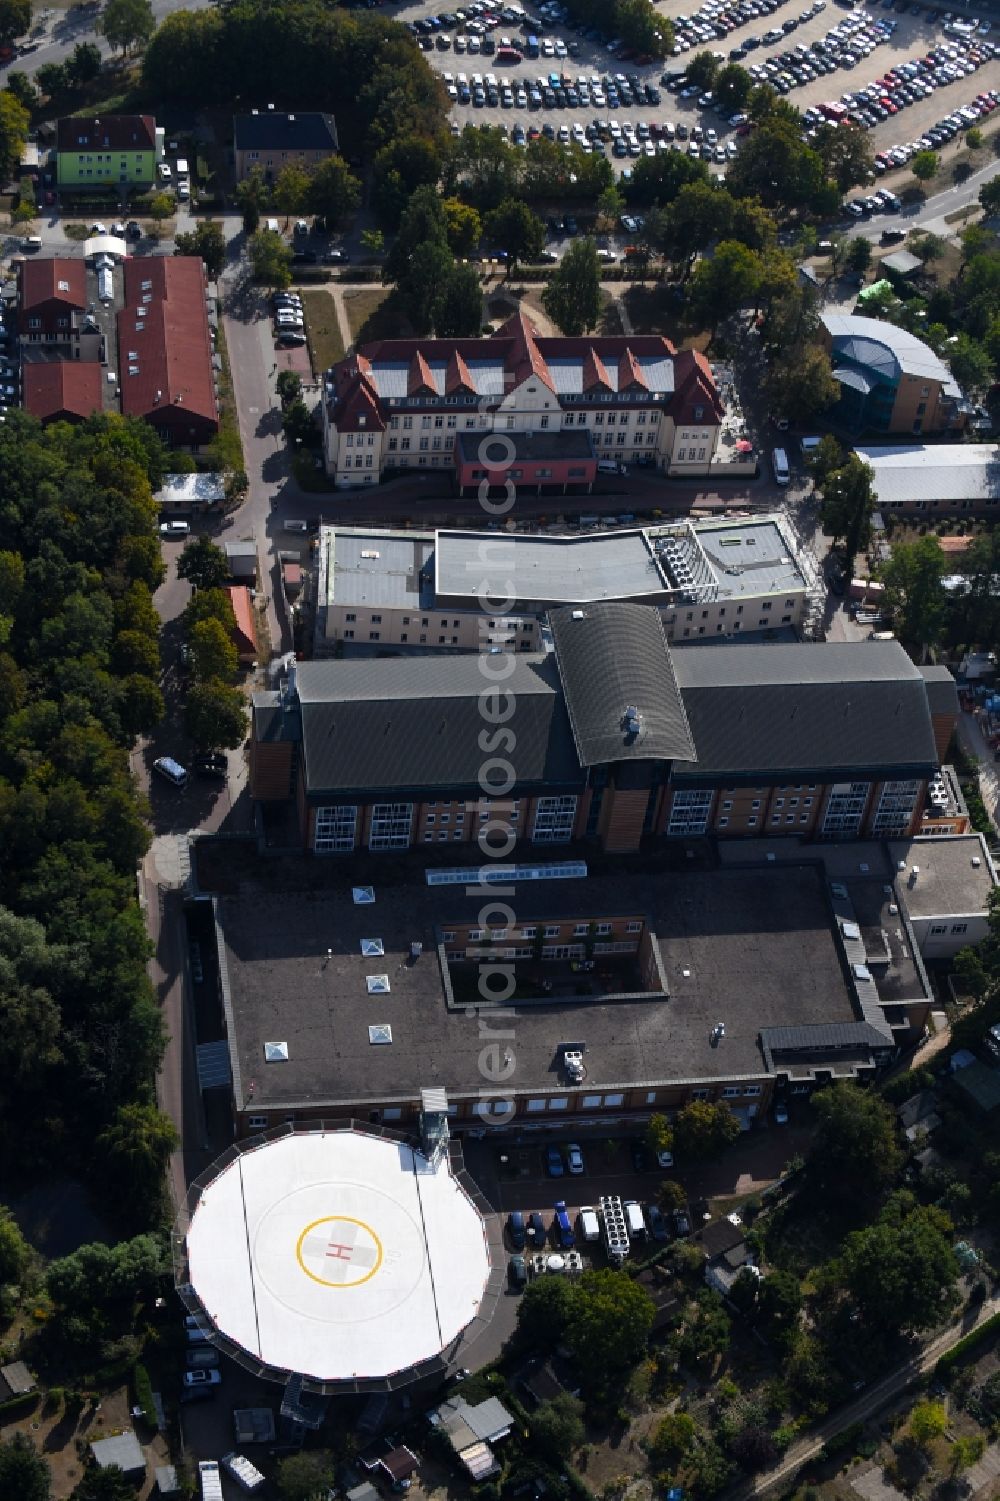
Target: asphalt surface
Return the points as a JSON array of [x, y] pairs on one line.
[[56, 30], [912, 39]]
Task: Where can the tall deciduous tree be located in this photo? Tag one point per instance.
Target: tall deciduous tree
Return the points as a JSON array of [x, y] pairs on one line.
[[127, 24], [14, 122], [848, 505], [334, 191], [703, 1129], [216, 716], [915, 592], [206, 240], [203, 564], [514, 227], [855, 1153], [290, 193], [458, 310], [901, 1271], [135, 1149], [271, 258], [24, 1474], [213, 651], [609, 1326], [15, 20], [572, 298]]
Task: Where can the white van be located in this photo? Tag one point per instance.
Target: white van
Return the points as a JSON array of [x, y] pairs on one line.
[[182, 166], [587, 1223], [609, 466], [272, 226], [635, 1219], [779, 463]]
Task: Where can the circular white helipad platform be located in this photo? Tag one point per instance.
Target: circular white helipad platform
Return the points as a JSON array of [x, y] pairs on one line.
[[338, 1255]]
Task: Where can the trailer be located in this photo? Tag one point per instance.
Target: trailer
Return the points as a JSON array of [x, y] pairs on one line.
[[211, 1480], [616, 1237]]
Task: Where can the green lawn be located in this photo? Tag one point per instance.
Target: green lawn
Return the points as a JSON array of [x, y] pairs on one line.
[[322, 329]]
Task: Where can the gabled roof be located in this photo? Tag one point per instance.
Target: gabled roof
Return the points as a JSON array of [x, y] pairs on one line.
[[594, 373], [420, 378], [415, 722], [164, 345], [57, 280], [804, 709], [246, 629], [106, 133], [526, 358], [696, 398], [614, 657], [457, 376], [62, 388], [276, 129]]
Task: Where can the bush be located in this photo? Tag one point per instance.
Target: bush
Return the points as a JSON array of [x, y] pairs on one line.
[[971, 1342]]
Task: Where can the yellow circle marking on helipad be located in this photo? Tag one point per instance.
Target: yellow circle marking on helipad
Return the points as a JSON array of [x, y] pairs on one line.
[[341, 1251]]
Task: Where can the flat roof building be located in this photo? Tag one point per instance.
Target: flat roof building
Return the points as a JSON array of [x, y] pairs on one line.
[[637, 973], [947, 885], [711, 580], [941, 478]]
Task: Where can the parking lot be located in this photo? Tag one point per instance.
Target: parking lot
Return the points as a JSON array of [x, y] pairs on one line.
[[883, 38]]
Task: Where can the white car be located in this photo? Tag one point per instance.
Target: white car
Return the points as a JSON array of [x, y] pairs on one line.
[[203, 1377]]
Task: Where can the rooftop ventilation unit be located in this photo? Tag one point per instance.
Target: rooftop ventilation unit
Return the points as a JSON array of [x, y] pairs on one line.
[[276, 1052], [381, 1035], [574, 1065], [372, 948]]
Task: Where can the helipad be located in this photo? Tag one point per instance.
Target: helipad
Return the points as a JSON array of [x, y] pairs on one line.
[[341, 1256]]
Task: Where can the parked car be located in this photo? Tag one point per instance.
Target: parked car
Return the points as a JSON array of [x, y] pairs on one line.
[[517, 1272], [174, 528], [554, 1165], [665, 1159], [574, 1159], [201, 1359], [657, 1224], [682, 1225], [565, 1233], [535, 1230], [203, 1377], [516, 1230], [781, 1115], [641, 1159]]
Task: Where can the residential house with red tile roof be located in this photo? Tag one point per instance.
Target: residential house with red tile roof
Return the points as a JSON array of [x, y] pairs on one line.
[[52, 306], [244, 632], [419, 404], [63, 390], [165, 371]]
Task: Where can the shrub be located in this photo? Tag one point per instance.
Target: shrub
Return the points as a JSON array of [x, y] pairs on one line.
[[144, 1394]]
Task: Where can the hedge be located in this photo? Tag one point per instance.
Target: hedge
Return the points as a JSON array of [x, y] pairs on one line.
[[144, 1394], [17, 1405], [971, 1342]]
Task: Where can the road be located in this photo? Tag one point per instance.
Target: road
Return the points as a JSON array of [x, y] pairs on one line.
[[865, 1406], [57, 31]]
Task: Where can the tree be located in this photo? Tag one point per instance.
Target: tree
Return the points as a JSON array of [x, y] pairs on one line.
[[859, 255], [928, 1421], [214, 653], [989, 197], [672, 1195], [161, 206], [731, 88], [854, 1151], [289, 389], [967, 1450], [407, 163], [303, 1477], [252, 196], [611, 205], [513, 227], [725, 282], [127, 24], [572, 298], [83, 64], [703, 1129], [700, 215], [135, 1149], [15, 20], [800, 383], [24, 1474], [847, 507], [111, 1484], [216, 716], [702, 70], [298, 424], [671, 1440], [924, 165], [557, 1427], [458, 311], [610, 1320], [463, 226], [14, 123], [707, 1328], [915, 592], [846, 154], [21, 86], [970, 363], [900, 1271], [429, 271], [334, 191], [203, 564], [207, 240], [372, 242], [15, 1253], [544, 1311], [290, 193], [974, 138], [271, 258], [779, 1303], [659, 1135], [52, 79]]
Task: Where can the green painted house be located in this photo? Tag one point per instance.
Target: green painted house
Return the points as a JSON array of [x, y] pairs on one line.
[[118, 151]]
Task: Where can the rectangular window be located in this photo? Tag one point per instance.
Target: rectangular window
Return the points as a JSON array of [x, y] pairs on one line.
[[846, 808], [391, 825], [554, 819], [552, 931], [591, 1101], [689, 812], [257, 1122], [633, 927], [335, 829], [392, 1113]]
